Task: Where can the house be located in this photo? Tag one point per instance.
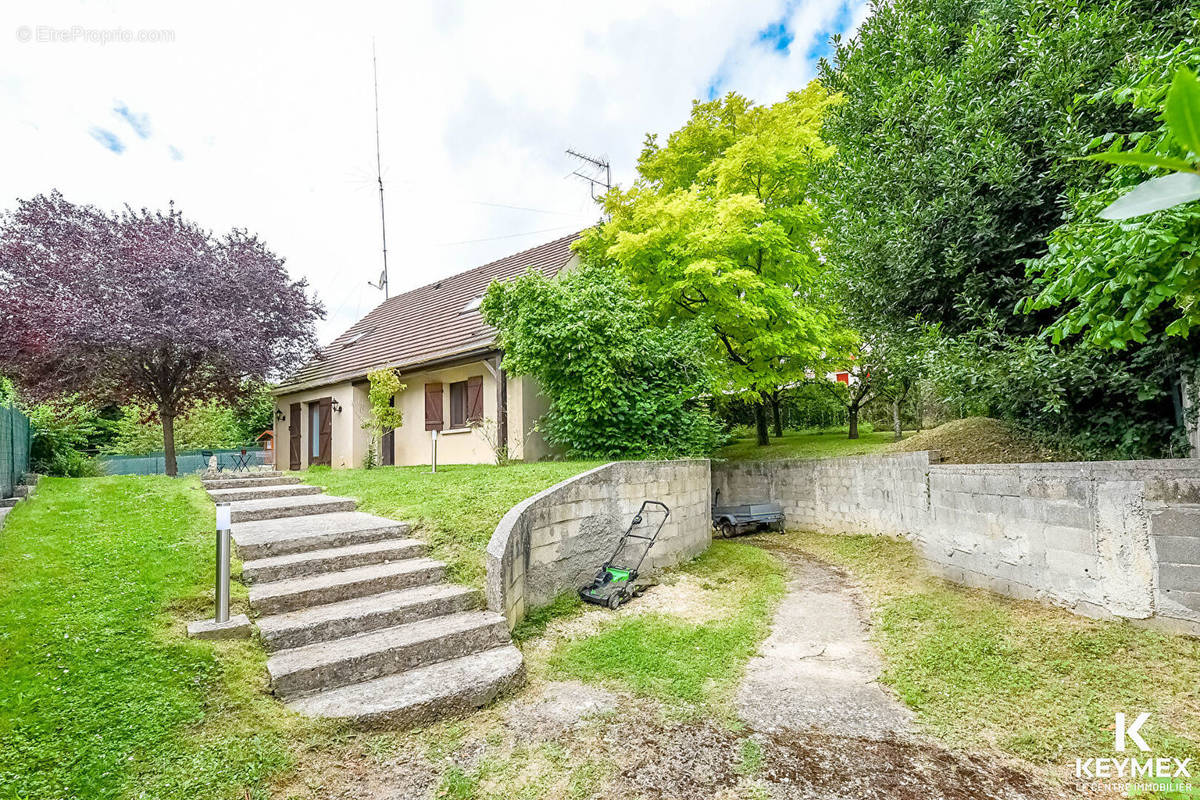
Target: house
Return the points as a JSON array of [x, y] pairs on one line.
[[447, 358]]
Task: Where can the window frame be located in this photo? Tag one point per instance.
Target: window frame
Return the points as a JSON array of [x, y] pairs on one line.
[[459, 389]]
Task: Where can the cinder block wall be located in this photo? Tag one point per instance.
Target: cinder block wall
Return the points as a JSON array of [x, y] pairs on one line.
[[555, 541], [1115, 538]]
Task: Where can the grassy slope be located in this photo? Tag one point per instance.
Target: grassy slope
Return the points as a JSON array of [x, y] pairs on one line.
[[1034, 680], [674, 659], [458, 508], [819, 444], [103, 696]]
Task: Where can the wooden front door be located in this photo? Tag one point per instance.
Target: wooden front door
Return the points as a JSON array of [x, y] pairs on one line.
[[294, 436], [388, 444], [320, 432]]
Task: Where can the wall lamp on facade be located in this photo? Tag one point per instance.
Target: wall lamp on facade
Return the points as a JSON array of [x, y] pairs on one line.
[[336, 406], [279, 416]]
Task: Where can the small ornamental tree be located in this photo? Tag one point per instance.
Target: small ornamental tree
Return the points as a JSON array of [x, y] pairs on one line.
[[720, 230], [382, 416], [143, 307]]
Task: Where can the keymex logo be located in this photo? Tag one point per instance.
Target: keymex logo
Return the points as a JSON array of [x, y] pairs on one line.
[[1131, 768]]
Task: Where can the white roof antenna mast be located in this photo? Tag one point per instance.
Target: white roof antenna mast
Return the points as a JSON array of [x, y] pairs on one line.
[[383, 276]]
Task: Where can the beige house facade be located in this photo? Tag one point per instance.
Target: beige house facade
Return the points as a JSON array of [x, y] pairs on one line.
[[455, 390]]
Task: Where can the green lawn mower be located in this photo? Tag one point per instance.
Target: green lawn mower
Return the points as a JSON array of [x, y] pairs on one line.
[[615, 584]]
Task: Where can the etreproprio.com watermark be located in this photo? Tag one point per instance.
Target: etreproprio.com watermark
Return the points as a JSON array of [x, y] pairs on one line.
[[82, 34]]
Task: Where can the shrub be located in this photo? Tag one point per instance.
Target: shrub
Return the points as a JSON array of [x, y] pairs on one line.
[[619, 384]]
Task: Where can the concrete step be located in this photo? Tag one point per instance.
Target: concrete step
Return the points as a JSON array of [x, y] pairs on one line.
[[234, 483], [22, 490], [261, 492], [350, 617], [314, 562], [278, 597], [329, 665], [277, 537], [9, 502], [280, 507], [420, 696], [246, 476]]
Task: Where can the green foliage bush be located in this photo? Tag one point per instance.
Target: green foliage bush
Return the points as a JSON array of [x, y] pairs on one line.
[[1076, 399], [960, 134], [207, 426], [620, 385], [1135, 280], [959, 141], [60, 433]]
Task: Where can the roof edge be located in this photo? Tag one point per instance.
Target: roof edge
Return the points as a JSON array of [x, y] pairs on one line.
[[443, 358]]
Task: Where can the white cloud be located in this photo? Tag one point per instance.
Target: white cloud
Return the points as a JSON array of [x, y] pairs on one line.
[[260, 116]]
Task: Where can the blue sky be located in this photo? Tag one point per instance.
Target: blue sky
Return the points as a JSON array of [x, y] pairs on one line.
[[269, 124], [802, 29]]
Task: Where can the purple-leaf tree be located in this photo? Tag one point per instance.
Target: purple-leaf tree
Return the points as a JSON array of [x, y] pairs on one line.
[[143, 306]]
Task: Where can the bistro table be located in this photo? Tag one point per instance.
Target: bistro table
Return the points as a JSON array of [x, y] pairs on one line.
[[241, 462]]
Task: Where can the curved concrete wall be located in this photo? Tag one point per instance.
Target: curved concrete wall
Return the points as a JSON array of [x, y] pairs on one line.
[[555, 541]]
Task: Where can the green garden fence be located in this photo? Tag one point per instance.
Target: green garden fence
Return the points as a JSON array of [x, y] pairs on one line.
[[14, 448], [186, 461]]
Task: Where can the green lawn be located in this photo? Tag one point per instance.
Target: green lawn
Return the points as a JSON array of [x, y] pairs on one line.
[[808, 444], [675, 659], [1034, 680], [102, 695], [457, 508]]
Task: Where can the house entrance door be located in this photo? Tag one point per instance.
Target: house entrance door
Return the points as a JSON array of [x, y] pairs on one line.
[[294, 436], [320, 432]]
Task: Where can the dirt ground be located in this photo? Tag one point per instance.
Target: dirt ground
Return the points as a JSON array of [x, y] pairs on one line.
[[558, 739], [979, 440]]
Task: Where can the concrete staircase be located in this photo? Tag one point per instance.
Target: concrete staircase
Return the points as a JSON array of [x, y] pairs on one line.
[[359, 624], [22, 490]]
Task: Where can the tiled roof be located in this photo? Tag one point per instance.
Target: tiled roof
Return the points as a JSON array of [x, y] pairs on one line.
[[437, 320]]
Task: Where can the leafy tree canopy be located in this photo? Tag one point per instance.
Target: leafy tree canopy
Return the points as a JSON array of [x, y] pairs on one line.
[[1130, 280], [142, 307], [620, 384], [720, 230], [960, 135]]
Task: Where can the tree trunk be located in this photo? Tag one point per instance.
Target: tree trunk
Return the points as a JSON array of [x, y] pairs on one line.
[[896, 419], [760, 424], [778, 418], [168, 423], [852, 412]]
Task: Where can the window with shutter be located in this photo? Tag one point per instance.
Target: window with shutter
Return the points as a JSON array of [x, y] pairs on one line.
[[458, 404], [433, 407], [475, 399]]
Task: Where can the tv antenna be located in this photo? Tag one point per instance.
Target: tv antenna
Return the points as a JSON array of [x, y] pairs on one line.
[[590, 170], [383, 276]]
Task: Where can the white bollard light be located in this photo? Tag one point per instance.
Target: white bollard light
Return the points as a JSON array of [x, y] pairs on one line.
[[433, 457], [224, 534]]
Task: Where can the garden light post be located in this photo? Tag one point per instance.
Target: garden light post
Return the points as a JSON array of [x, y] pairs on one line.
[[433, 455], [222, 626], [224, 535]]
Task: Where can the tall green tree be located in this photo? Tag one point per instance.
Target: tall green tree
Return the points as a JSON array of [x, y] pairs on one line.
[[958, 141], [1125, 267], [720, 230]]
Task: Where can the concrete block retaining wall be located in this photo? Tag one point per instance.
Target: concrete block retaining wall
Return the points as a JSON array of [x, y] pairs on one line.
[[555, 540], [1104, 538]]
